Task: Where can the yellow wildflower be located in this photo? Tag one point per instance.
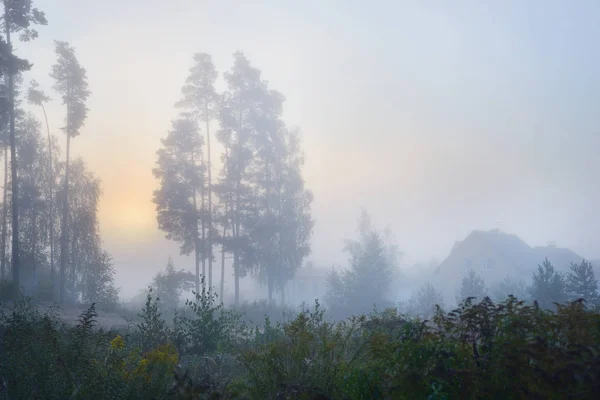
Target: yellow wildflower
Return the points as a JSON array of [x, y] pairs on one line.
[[117, 343]]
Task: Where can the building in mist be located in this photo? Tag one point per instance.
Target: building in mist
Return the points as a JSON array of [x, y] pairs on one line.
[[310, 283], [495, 254]]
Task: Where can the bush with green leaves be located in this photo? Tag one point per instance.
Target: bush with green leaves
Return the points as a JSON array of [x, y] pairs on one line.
[[482, 350]]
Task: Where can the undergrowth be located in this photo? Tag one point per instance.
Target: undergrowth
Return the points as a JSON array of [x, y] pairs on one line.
[[483, 350]]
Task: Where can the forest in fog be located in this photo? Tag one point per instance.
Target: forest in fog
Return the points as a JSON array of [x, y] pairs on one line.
[[229, 192], [232, 301]]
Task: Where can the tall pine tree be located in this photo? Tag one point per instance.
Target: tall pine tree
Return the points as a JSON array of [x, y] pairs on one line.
[[581, 283], [19, 16], [201, 100], [244, 95], [71, 83], [37, 97], [548, 286], [180, 172]]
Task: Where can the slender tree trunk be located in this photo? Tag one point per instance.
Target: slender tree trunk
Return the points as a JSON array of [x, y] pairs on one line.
[[236, 232], [236, 254], [16, 264], [64, 257], [4, 217], [196, 240], [209, 216], [222, 289], [203, 252], [280, 248], [33, 249], [270, 287], [51, 200], [73, 267]]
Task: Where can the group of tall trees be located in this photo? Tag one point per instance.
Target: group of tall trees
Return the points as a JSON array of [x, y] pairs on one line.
[[257, 210], [40, 189]]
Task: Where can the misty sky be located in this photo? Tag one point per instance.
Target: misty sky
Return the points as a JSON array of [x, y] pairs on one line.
[[437, 119]]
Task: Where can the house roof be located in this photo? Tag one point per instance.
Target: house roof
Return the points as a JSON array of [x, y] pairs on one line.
[[508, 249]]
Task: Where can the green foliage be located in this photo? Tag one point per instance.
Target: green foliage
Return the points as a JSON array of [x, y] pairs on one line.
[[581, 283], [8, 290], [423, 303], [153, 328], [20, 16], [209, 327], [72, 85], [548, 286], [258, 310], [508, 286], [480, 350], [170, 283], [472, 285], [97, 284], [306, 358], [366, 282]]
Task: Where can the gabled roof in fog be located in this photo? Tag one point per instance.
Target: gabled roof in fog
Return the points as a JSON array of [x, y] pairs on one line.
[[561, 258], [507, 249]]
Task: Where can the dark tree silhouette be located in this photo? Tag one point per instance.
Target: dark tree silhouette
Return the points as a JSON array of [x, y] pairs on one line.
[[37, 97], [548, 286], [472, 285], [180, 173], [581, 283], [19, 16]]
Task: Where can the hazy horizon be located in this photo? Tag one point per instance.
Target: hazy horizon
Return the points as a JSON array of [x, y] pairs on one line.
[[435, 119]]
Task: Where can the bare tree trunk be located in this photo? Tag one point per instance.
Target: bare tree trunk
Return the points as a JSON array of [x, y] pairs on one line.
[[51, 199], [280, 253], [236, 254], [16, 264], [209, 216], [203, 252], [196, 240], [223, 254], [33, 249], [4, 217], [73, 267], [270, 287], [64, 257]]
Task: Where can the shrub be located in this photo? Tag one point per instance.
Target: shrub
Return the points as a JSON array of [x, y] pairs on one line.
[[481, 350]]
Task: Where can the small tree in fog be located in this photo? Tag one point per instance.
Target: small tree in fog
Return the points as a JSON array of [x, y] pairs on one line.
[[98, 284], [472, 285], [170, 283], [366, 282], [581, 282], [548, 286], [509, 286], [423, 303]]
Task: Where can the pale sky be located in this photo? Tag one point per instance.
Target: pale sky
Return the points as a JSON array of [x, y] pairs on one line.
[[437, 118]]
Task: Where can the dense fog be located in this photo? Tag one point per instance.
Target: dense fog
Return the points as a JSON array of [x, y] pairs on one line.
[[466, 134]]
